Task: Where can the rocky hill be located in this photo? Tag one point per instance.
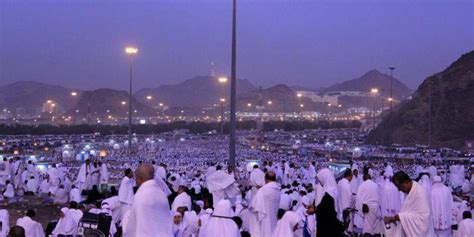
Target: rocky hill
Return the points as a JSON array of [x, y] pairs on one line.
[[373, 79], [28, 97], [452, 110], [196, 92], [104, 102]]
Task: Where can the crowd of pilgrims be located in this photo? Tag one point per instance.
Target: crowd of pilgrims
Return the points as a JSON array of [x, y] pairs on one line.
[[187, 195]]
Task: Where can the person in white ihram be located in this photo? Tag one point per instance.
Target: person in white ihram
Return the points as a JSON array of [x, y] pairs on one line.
[[150, 214], [414, 218]]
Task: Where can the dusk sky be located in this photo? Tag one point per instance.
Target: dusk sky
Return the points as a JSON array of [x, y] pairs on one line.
[[310, 43]]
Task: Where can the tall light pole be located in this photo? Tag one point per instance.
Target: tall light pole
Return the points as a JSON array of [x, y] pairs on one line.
[[233, 85], [391, 87], [222, 100], [222, 82], [131, 51], [374, 92], [74, 96]]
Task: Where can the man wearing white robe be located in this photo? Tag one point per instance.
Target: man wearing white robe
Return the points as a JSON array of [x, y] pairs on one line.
[[220, 223], [125, 193], [84, 179], [356, 179], [61, 196], [17, 170], [414, 218], [32, 227], [32, 185], [345, 191], [390, 201], [221, 185], [466, 226], [441, 206], [66, 224], [256, 180], [347, 198], [368, 206], [75, 194], [264, 207], [150, 215], [104, 173]]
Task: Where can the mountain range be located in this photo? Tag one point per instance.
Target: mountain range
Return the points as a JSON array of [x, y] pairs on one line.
[[442, 107], [194, 94], [28, 97]]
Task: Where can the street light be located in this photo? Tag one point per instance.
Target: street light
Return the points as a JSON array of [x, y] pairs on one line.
[[131, 51], [299, 95], [269, 102], [149, 97], [74, 93], [374, 92], [222, 80], [391, 86], [249, 105], [301, 105], [222, 100]]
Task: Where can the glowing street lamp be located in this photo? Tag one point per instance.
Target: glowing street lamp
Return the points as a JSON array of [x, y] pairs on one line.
[[222, 80], [74, 93], [124, 102], [299, 95], [301, 105], [249, 105], [222, 100], [374, 92], [149, 97], [269, 102], [131, 51]]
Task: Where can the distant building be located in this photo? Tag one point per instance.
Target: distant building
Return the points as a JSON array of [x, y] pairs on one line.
[[320, 98], [212, 70], [469, 146]]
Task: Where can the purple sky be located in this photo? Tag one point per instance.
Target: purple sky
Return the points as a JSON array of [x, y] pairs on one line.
[[79, 43]]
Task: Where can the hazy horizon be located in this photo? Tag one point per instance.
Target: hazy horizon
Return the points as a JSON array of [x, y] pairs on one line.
[[306, 43]]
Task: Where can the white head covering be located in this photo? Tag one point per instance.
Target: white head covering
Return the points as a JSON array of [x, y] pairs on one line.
[[326, 177], [437, 179], [66, 224], [286, 225]]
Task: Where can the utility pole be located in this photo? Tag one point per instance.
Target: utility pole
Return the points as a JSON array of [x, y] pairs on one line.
[[233, 85], [391, 87]]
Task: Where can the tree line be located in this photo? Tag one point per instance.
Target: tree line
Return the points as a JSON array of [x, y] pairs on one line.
[[192, 127]]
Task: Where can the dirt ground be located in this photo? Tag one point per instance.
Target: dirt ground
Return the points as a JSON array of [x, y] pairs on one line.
[[46, 211]]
